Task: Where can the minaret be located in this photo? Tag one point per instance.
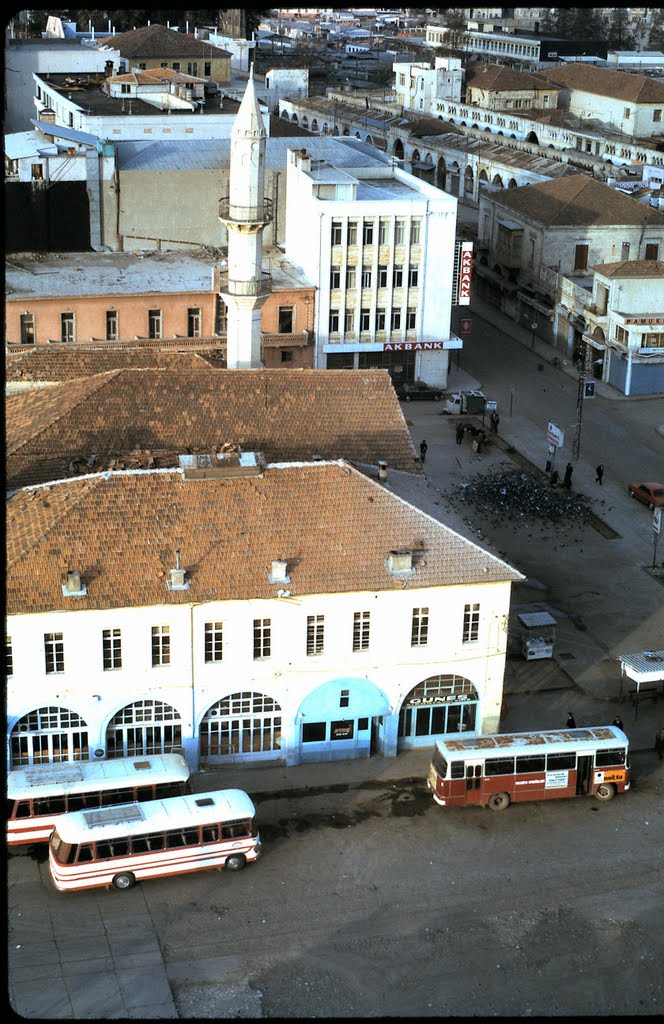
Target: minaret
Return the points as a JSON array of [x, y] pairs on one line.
[[245, 213]]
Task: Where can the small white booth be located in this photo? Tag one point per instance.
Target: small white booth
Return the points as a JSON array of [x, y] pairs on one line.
[[646, 670], [538, 635]]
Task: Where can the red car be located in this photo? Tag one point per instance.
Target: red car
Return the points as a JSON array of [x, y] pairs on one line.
[[651, 494]]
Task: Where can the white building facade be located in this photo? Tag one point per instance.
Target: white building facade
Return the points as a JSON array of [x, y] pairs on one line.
[[379, 247], [418, 85], [275, 673]]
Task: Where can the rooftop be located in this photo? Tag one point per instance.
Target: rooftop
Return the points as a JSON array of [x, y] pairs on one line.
[[154, 41], [619, 85], [86, 93], [632, 268], [576, 200], [332, 525]]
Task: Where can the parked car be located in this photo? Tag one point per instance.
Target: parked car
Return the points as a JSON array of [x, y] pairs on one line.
[[417, 391], [651, 494]]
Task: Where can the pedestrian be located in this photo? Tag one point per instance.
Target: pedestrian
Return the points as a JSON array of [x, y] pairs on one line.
[[567, 482], [571, 724], [600, 473], [423, 451], [495, 420], [554, 478], [618, 722], [459, 432]]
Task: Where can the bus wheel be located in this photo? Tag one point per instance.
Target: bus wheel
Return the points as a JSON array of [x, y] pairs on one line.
[[124, 881], [605, 792], [499, 801], [236, 862]]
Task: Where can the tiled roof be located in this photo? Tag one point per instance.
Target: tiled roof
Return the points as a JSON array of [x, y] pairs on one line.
[[618, 85], [153, 41], [498, 78], [333, 526], [67, 362], [576, 200], [632, 268], [286, 414]]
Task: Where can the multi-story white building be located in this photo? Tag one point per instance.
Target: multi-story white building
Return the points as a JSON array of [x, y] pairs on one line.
[[378, 245], [244, 613], [418, 85]]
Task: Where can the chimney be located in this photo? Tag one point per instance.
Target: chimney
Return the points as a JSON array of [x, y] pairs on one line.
[[178, 579], [382, 470], [74, 587], [279, 572]]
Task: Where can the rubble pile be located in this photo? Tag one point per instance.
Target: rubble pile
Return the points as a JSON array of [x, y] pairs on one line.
[[515, 495]]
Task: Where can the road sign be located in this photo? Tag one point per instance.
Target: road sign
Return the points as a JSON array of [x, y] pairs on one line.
[[490, 405], [589, 389], [555, 435], [657, 520]]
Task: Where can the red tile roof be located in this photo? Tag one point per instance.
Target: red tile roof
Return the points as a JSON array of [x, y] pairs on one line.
[[619, 85], [576, 200], [286, 414], [66, 362], [333, 526]]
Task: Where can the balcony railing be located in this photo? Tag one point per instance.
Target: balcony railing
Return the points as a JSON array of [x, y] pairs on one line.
[[262, 286], [231, 213]]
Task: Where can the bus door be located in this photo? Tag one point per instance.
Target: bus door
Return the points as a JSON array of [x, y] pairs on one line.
[[474, 782], [584, 767]]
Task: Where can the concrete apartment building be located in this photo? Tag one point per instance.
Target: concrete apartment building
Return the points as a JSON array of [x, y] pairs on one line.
[[340, 622]]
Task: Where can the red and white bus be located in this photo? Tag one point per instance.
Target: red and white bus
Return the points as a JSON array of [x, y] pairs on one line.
[[37, 794], [119, 845], [495, 771]]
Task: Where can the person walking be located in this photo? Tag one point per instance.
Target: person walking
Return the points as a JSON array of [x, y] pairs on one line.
[[495, 420], [459, 433], [567, 482], [618, 722], [599, 473], [423, 451], [571, 722]]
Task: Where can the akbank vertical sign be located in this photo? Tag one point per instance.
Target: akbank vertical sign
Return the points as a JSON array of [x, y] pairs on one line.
[[463, 269]]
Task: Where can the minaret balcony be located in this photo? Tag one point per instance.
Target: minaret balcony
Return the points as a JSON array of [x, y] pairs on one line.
[[232, 213], [260, 286]]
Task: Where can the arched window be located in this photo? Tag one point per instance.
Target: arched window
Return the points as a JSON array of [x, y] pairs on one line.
[[144, 727], [240, 725], [437, 706], [49, 734]]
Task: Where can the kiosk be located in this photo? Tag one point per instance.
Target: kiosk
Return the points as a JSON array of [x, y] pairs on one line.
[[538, 635]]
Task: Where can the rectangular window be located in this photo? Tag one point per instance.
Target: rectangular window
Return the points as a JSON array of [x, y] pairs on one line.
[[214, 642], [395, 320], [334, 321], [581, 257], [399, 232], [380, 319], [207, 69], [67, 327], [471, 623], [411, 318], [344, 698], [314, 732], [415, 226], [262, 638], [192, 68], [383, 232], [419, 635], [351, 278], [286, 355], [220, 316], [652, 251], [366, 277], [657, 114], [397, 276], [368, 232], [9, 657], [351, 233], [286, 319], [382, 276], [361, 624], [154, 324], [530, 763], [315, 634], [621, 335], [112, 325], [54, 651], [413, 276], [161, 645], [624, 251], [365, 319], [349, 321], [627, 113], [193, 323], [335, 233], [335, 278], [499, 766], [27, 328], [112, 649]]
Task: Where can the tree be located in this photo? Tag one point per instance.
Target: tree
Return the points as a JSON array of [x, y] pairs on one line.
[[619, 35], [656, 36], [456, 37]]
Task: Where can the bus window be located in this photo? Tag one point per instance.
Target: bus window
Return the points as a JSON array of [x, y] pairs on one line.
[[236, 829], [145, 793], [210, 833], [530, 763], [21, 810], [607, 758], [50, 805], [456, 769], [499, 766], [559, 762], [84, 854], [440, 764]]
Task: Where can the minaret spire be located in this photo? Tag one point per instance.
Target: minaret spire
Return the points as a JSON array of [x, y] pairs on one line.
[[245, 213]]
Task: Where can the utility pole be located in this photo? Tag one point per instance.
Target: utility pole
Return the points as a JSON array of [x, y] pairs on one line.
[[583, 375]]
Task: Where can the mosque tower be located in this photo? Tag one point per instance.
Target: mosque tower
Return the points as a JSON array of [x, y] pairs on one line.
[[245, 213]]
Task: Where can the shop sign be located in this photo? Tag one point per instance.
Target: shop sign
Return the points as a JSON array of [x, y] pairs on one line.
[[465, 272], [443, 698], [341, 730], [647, 321], [412, 346]]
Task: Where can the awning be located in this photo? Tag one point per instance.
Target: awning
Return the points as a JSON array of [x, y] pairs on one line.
[[364, 701]]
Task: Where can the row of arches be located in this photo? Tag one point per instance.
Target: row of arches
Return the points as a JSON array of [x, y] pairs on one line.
[[241, 726]]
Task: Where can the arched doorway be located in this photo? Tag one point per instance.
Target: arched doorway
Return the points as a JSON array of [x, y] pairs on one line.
[[438, 706], [453, 178], [47, 735], [497, 181], [415, 163], [532, 137], [441, 174], [241, 727], [398, 149], [469, 183], [511, 183], [144, 727], [340, 719]]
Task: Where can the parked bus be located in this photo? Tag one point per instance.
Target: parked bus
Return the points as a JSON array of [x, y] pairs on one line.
[[497, 770], [118, 845], [37, 794]]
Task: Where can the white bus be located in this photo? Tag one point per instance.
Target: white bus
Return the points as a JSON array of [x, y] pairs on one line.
[[37, 794], [119, 845]]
